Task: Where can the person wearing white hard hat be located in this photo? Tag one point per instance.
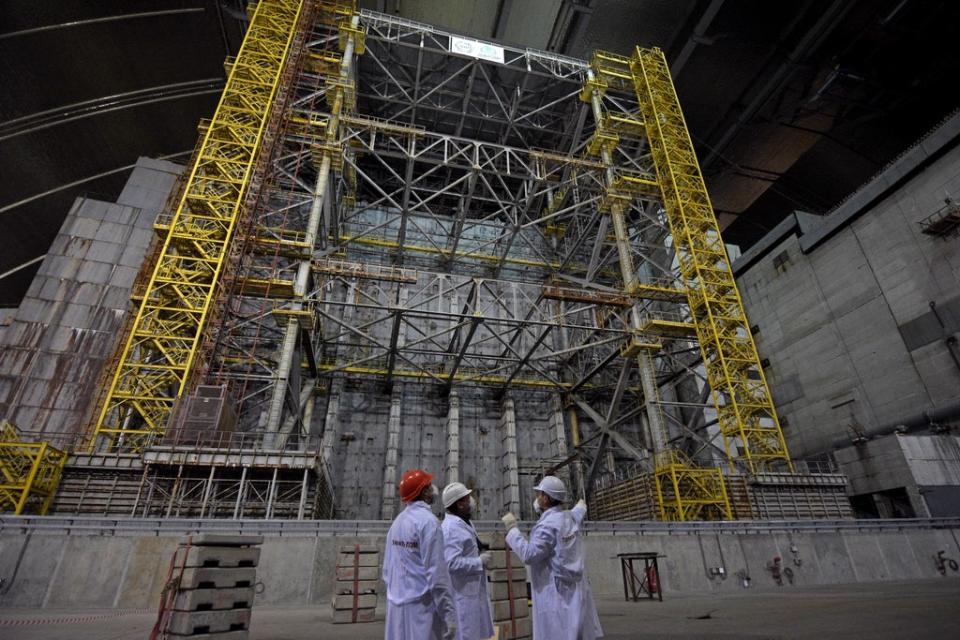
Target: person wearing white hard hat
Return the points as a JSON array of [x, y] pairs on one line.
[[466, 563], [563, 607]]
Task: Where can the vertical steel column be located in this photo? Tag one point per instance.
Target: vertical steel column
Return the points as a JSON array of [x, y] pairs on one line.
[[648, 379], [453, 438], [388, 499], [304, 487], [237, 507], [271, 494], [206, 491], [292, 329]]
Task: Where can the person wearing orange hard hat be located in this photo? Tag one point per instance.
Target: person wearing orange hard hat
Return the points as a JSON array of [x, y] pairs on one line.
[[419, 593]]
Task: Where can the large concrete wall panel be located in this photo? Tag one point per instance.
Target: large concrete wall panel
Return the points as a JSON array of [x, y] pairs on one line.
[[90, 572]]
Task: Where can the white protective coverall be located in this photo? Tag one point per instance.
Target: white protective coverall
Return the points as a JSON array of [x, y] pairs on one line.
[[419, 595], [563, 607], [469, 579]]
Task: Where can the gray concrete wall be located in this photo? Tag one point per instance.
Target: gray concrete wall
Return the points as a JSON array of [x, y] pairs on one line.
[[53, 349], [128, 572], [848, 327]]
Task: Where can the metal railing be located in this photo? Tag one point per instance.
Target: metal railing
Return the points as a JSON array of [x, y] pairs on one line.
[[56, 525], [193, 440]]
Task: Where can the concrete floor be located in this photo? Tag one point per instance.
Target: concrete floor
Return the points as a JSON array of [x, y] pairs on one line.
[[926, 609]]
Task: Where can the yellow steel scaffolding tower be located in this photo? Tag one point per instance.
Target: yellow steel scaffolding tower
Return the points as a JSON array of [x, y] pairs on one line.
[[29, 472], [684, 490], [747, 418], [162, 346]]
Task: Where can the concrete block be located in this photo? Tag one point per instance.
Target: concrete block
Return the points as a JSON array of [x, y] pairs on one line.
[[229, 635], [96, 272], [220, 540], [324, 569], [132, 256], [199, 622], [123, 276], [344, 587], [500, 590], [222, 557], [517, 629], [365, 601], [347, 616], [501, 609], [214, 599], [217, 578], [361, 573], [109, 252], [85, 227], [113, 232], [866, 558], [498, 560]]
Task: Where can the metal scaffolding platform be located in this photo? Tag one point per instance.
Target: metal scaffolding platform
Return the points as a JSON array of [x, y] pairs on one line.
[[29, 472], [377, 202]]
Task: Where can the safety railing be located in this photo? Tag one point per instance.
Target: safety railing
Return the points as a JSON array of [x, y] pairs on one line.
[[56, 525]]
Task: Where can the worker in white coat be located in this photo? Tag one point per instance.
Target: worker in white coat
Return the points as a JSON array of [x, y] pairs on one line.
[[419, 595], [563, 607], [466, 563]]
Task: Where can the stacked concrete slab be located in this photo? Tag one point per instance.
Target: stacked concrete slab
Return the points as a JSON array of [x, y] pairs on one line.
[[508, 590], [52, 350], [212, 583], [358, 577]]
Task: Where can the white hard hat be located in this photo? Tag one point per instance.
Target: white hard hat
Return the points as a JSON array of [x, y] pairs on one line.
[[453, 492], [553, 487]]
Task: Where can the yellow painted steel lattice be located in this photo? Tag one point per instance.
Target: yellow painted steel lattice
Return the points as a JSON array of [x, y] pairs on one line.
[[747, 418], [29, 472], [162, 346], [686, 492]]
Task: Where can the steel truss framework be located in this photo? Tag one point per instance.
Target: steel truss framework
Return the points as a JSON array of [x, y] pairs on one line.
[[29, 472], [429, 216], [162, 345]]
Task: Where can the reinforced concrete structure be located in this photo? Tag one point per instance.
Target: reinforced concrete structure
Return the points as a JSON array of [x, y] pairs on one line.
[[858, 314], [395, 247]]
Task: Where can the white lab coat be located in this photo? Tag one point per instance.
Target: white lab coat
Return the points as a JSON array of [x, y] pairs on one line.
[[474, 621], [419, 594], [563, 607]]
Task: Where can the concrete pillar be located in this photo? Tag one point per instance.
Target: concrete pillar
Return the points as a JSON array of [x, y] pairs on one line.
[[389, 496], [331, 423], [511, 479], [453, 439]]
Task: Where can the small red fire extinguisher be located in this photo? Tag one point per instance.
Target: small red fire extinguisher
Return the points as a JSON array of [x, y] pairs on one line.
[[653, 582]]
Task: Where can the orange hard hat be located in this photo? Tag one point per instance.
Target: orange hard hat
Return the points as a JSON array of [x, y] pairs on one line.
[[414, 482]]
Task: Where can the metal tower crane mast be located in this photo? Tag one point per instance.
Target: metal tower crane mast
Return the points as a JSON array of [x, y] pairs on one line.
[[747, 418], [162, 346]]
